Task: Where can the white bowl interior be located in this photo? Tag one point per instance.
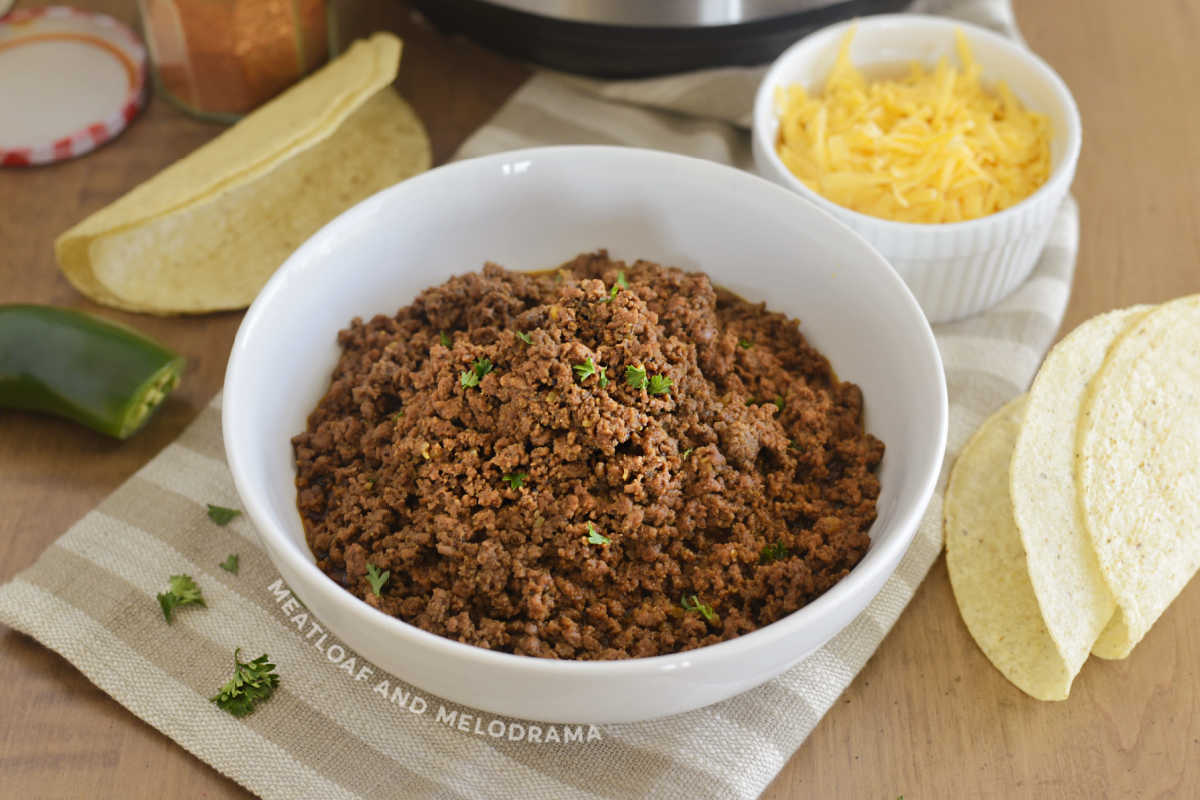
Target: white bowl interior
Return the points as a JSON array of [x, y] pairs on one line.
[[883, 44], [534, 210]]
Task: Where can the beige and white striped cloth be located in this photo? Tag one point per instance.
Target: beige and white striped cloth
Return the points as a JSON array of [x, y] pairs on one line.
[[339, 727]]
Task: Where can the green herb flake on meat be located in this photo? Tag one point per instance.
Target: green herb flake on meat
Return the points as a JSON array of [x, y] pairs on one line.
[[773, 552], [595, 537], [376, 578], [471, 378], [660, 384], [616, 287], [693, 604], [515, 480], [585, 370]]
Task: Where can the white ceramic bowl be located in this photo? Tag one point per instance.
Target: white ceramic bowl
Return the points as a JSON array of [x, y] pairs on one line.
[[534, 209], [954, 269]]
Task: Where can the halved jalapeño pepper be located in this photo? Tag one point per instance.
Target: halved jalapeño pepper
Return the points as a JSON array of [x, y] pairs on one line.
[[79, 366]]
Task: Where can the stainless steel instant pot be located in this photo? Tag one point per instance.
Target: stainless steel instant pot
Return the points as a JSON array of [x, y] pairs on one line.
[[628, 38]]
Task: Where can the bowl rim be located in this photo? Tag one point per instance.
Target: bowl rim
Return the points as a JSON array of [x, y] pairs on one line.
[[764, 111], [883, 558]]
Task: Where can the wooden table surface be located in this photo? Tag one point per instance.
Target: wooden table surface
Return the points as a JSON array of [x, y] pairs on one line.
[[928, 717]]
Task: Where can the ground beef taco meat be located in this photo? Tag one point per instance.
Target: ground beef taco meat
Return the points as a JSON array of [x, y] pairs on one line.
[[605, 461]]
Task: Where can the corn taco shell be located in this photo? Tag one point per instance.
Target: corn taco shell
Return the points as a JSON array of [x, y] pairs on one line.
[[1074, 598], [206, 233], [987, 567], [1138, 467]]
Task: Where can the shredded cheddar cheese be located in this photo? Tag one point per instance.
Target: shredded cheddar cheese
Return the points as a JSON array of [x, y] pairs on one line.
[[934, 146]]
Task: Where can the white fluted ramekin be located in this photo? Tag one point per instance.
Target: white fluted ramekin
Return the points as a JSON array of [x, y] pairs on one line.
[[953, 269]]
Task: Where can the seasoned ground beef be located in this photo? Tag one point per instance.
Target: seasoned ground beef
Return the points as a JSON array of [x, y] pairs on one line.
[[569, 502]]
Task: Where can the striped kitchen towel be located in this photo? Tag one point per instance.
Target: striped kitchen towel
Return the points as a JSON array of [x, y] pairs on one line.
[[340, 727]]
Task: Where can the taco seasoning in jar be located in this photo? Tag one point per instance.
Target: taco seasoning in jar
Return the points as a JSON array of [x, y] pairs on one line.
[[219, 59]]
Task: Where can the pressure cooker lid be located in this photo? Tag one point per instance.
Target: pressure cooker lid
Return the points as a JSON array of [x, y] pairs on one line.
[[649, 37]]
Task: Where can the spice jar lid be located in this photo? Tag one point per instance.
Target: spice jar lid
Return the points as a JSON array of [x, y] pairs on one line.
[[70, 80]]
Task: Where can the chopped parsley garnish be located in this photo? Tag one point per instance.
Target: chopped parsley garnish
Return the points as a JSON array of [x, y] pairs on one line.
[[397, 415], [183, 592], [515, 480], [603, 371], [474, 375], [444, 338], [222, 515], [376, 578], [693, 604], [745, 344], [616, 287], [251, 684], [779, 402], [524, 337], [585, 370], [773, 552], [686, 453], [596, 538], [230, 564], [636, 378]]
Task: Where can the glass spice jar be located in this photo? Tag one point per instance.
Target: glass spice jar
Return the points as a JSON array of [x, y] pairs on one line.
[[219, 59]]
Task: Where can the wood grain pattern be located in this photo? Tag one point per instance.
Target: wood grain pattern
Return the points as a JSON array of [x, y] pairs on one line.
[[928, 717]]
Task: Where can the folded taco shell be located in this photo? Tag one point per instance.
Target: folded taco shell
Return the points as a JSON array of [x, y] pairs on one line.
[[206, 233]]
